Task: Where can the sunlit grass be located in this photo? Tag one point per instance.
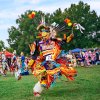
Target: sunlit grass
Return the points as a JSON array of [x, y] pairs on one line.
[[85, 87]]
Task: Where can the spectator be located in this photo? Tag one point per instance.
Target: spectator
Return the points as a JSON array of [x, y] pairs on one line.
[[87, 58], [4, 63], [1, 71], [97, 57], [14, 63], [93, 56]]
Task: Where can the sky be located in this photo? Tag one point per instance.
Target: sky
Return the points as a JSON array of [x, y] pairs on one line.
[[11, 9]]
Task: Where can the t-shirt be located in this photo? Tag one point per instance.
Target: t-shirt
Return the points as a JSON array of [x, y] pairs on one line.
[[97, 56], [14, 58], [22, 58]]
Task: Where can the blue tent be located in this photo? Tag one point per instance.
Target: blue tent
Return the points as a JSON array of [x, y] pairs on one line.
[[78, 50]]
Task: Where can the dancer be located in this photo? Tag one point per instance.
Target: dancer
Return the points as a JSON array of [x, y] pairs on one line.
[[47, 65]]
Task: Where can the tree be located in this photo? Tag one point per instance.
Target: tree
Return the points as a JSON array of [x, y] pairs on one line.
[[82, 14], [19, 38], [1, 45]]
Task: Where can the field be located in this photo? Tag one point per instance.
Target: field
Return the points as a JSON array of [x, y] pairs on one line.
[[85, 87]]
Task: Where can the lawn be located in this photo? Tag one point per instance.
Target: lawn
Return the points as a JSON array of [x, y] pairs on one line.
[[85, 87]]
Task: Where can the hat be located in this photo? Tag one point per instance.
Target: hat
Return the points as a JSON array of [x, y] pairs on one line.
[[41, 26], [22, 53]]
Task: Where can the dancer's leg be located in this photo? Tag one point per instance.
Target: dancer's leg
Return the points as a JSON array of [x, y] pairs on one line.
[[37, 89]]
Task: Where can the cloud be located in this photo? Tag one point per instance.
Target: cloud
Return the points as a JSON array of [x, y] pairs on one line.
[[13, 13], [43, 7], [94, 4], [6, 26], [29, 1], [50, 9], [37, 1], [5, 14]]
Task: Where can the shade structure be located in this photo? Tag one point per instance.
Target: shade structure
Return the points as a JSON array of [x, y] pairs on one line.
[[78, 50], [7, 54]]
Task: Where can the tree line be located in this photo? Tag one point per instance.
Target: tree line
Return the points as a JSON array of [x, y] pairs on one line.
[[26, 32]]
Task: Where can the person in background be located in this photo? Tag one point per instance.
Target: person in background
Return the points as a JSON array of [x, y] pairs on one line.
[[19, 62], [93, 57], [74, 62], [13, 63], [4, 63], [9, 61], [97, 61], [82, 58], [22, 62], [87, 58], [1, 71], [24, 69], [69, 58]]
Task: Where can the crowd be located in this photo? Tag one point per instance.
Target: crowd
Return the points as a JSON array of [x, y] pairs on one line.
[[13, 64], [20, 63], [87, 58]]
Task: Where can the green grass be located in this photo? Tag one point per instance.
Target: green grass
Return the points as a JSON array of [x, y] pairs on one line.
[[85, 87]]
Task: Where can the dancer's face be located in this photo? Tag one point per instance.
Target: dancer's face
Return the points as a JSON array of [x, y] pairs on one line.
[[44, 34]]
